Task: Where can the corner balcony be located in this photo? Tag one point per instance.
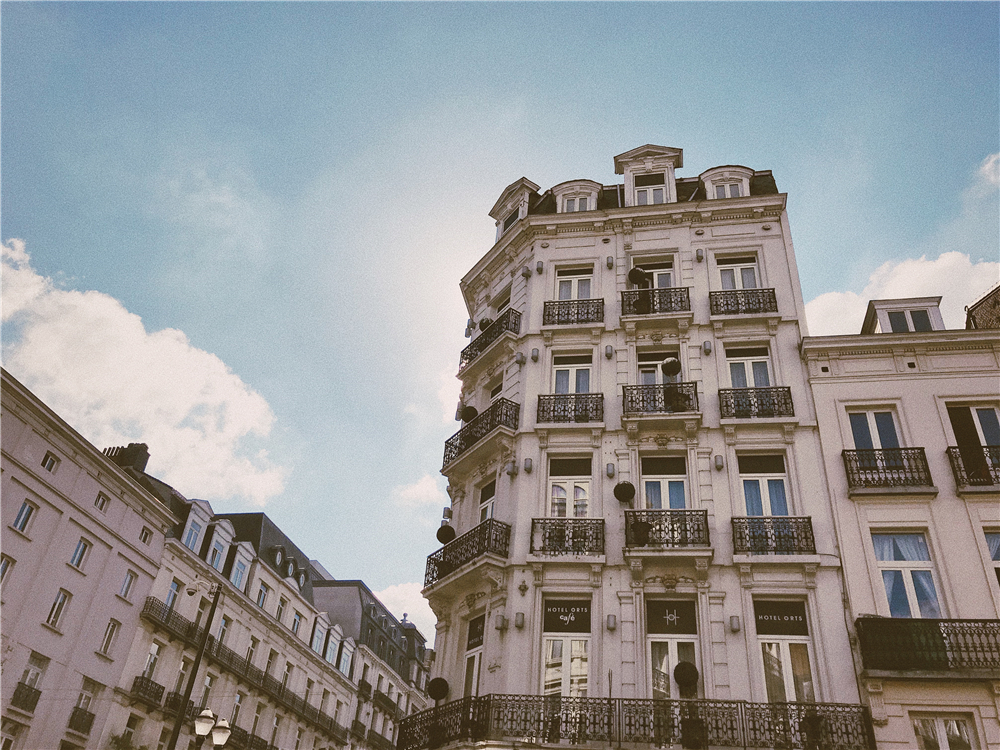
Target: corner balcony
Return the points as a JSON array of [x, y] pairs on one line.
[[976, 467], [656, 301], [490, 538], [500, 417], [603, 722], [80, 720], [743, 302], [572, 537], [573, 312], [773, 535], [25, 697], [908, 645], [887, 470], [509, 322], [755, 403], [571, 407]]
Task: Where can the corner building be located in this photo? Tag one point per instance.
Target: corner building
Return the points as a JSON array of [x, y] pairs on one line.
[[643, 548]]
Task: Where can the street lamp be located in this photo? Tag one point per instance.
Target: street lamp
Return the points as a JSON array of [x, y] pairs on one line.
[[206, 722]]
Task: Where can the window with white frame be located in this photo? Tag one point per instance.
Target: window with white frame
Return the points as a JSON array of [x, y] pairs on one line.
[[24, 515], [6, 566], [146, 535], [496, 389], [650, 189], [35, 669], [510, 220], [102, 502], [239, 571], [672, 630], [569, 480], [651, 368], [152, 657], [580, 203], [262, 593], [571, 373], [126, 590], [161, 744], [738, 272], [749, 367], [286, 676], [875, 428], [110, 634], [237, 706], [50, 463], [209, 684], [131, 728], [296, 622], [907, 574], [783, 634], [487, 494], [977, 437], [473, 655], [993, 545], [728, 189], [282, 603], [173, 593], [764, 483], [566, 647], [252, 649], [574, 283], [193, 532], [944, 732], [182, 674], [58, 609], [319, 635], [664, 481], [659, 272], [217, 555], [80, 554], [502, 302], [10, 732], [224, 624], [89, 691], [906, 321]]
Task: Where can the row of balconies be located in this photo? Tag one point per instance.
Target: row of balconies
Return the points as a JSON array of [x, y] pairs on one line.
[[25, 698], [552, 719]]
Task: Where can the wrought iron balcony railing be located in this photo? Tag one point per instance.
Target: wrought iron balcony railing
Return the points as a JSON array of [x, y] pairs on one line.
[[567, 312], [706, 723], [80, 720], [359, 730], [567, 536], [909, 644], [742, 302], [666, 528], [339, 734], [384, 702], [172, 704], [756, 402], [378, 741], [571, 407], [491, 537], [975, 466], [780, 535], [656, 301], [887, 467], [146, 690], [238, 738], [668, 398], [509, 321], [365, 689], [25, 697], [501, 413]]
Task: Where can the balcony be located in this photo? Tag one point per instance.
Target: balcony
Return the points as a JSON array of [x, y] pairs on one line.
[[656, 301], [976, 467], [384, 702], [379, 742], [666, 528], [743, 302], [743, 403], [365, 689], [567, 536], [25, 697], [929, 645], [147, 691], [80, 720], [359, 730], [775, 535], [537, 720], [165, 617], [491, 537], [887, 468], [571, 407], [573, 311], [339, 734], [669, 398], [172, 704], [502, 414], [508, 322]]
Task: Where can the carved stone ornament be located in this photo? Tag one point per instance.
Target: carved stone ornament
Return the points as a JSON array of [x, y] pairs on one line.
[[876, 702], [494, 665], [494, 576], [635, 565], [471, 599]]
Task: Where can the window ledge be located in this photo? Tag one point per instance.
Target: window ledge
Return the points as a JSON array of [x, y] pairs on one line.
[[989, 489], [19, 533], [53, 628], [770, 558], [76, 569], [104, 657], [922, 490], [122, 598]]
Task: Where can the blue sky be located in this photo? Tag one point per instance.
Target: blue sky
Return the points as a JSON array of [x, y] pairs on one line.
[[235, 231]]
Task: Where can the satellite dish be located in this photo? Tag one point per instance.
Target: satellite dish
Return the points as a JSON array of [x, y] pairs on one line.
[[640, 532], [671, 366], [469, 413], [637, 276], [437, 688], [624, 491], [686, 674], [484, 323], [445, 533]]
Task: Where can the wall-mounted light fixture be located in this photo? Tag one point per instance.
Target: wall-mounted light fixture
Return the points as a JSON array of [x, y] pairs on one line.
[[519, 358], [611, 471], [534, 355], [447, 513], [699, 232], [699, 255], [766, 227], [734, 623], [526, 272], [719, 463], [519, 620], [511, 468], [609, 351], [538, 265], [611, 262], [707, 347], [501, 622], [606, 240], [612, 622], [527, 466]]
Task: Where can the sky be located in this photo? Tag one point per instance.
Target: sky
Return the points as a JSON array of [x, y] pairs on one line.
[[235, 231]]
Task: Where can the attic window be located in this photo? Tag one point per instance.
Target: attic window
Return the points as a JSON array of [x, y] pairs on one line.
[[650, 189], [510, 221], [576, 204], [904, 321], [728, 190]]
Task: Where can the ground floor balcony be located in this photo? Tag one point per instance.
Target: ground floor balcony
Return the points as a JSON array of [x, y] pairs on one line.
[[491, 537], [571, 407], [602, 722], [755, 403], [976, 466], [898, 644], [887, 468], [554, 537], [776, 535], [502, 415]]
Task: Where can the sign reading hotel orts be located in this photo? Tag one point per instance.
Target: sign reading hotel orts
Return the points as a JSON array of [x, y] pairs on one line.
[[566, 616], [780, 618]]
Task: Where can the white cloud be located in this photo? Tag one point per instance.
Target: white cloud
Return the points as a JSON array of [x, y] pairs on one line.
[[94, 363], [989, 170], [448, 394], [406, 598], [425, 491]]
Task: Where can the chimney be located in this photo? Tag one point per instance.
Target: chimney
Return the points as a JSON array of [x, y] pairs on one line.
[[134, 456]]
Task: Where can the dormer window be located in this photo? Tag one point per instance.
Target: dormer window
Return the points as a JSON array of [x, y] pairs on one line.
[[575, 204], [911, 315], [650, 189], [510, 221], [904, 321], [574, 196], [731, 181], [728, 190]]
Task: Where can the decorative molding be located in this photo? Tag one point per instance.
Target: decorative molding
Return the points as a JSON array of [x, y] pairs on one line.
[[494, 665], [876, 702], [746, 576], [635, 566], [595, 575], [730, 434], [701, 568], [809, 574]]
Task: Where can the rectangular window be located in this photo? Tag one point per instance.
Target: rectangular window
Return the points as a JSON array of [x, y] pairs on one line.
[[282, 603], [319, 635], [193, 532], [783, 631], [905, 321], [486, 494], [272, 656], [24, 515], [182, 675], [473, 655], [237, 705], [763, 480], [571, 373], [510, 221], [252, 649], [993, 545], [239, 571], [50, 463], [569, 479], [146, 535], [873, 429], [209, 684], [32, 675], [173, 593], [651, 368], [496, 390], [574, 283], [663, 481], [161, 744], [907, 574], [650, 189], [274, 730], [673, 638], [218, 555], [110, 633], [151, 658], [258, 710], [58, 608], [6, 565], [659, 272], [126, 590], [224, 625], [730, 190], [737, 272], [79, 554], [102, 502], [332, 645], [262, 593], [131, 727], [749, 367], [296, 622], [944, 732], [566, 645]]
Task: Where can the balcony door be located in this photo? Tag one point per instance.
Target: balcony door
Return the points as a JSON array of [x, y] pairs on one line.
[[874, 430], [764, 484], [663, 482], [977, 437], [783, 633], [650, 370], [574, 283], [907, 575], [566, 647], [571, 373], [569, 481], [673, 638], [738, 273], [749, 367]]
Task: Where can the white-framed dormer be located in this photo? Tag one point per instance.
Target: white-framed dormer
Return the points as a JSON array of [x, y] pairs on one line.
[[512, 205], [730, 181], [906, 315], [648, 169], [221, 539], [196, 526], [576, 195]]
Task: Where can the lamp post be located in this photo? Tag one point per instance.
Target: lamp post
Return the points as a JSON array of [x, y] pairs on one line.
[[216, 590], [206, 722]]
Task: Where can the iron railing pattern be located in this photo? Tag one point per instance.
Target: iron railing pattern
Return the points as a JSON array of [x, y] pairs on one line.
[[666, 528], [501, 413], [172, 704], [146, 690], [975, 466], [571, 407], [491, 537], [80, 720], [668, 398], [567, 536], [656, 301], [25, 697], [781, 535], [567, 312], [378, 741], [907, 644], [509, 321], [742, 302], [887, 467], [686, 723], [384, 702], [756, 402]]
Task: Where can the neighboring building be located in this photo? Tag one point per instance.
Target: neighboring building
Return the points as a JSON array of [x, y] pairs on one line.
[[908, 414], [984, 312], [82, 542], [638, 487]]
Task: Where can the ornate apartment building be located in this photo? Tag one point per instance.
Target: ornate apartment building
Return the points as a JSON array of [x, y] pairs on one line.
[[640, 547]]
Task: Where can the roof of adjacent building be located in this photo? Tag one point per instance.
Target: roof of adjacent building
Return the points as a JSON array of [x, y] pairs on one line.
[[985, 311]]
